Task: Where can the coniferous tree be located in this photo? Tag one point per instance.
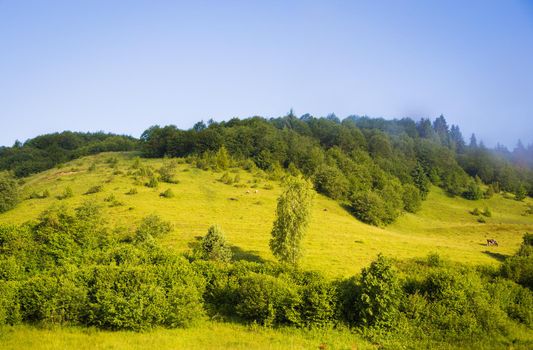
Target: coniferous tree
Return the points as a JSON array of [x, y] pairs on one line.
[[214, 245], [473, 141], [421, 180]]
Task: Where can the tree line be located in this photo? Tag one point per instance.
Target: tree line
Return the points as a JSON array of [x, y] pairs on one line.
[[378, 167], [46, 151]]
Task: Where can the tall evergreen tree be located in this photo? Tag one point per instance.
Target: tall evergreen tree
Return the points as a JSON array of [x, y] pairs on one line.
[[441, 129], [421, 180], [457, 139], [473, 141], [425, 129]]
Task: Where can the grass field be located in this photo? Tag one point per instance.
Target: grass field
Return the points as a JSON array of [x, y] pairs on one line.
[[208, 335], [336, 244]]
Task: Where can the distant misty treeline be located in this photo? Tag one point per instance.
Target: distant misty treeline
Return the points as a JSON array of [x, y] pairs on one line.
[[520, 155], [343, 157]]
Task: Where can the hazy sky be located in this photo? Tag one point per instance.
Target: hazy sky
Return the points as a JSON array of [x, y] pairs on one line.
[[121, 66]]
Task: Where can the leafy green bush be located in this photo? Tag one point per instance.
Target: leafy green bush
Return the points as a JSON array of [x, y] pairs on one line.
[[53, 299], [268, 300], [132, 191], [125, 298], [226, 178], [168, 193], [519, 267], [42, 195], [331, 182], [9, 193], [473, 191], [9, 303], [150, 227], [380, 294], [411, 198], [368, 207], [67, 193], [94, 189], [152, 182], [214, 246], [514, 299], [486, 212], [167, 173], [475, 212], [318, 300]]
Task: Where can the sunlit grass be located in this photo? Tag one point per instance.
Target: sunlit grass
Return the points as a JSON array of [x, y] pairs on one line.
[[208, 335]]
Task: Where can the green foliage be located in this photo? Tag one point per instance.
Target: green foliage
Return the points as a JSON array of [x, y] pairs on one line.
[[167, 173], [268, 300], [46, 151], [151, 227], [9, 193], [519, 267], [489, 192], [331, 182], [368, 207], [318, 300], [473, 191], [53, 299], [421, 180], [487, 212], [142, 297], [226, 178], [520, 192], [67, 193], [42, 195], [411, 198], [152, 182], [380, 294], [168, 193], [214, 246], [9, 303], [292, 217], [94, 189], [132, 191], [222, 159]]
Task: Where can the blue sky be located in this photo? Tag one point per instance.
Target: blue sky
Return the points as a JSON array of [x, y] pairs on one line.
[[121, 66]]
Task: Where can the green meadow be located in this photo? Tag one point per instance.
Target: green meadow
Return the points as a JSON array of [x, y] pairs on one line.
[[336, 244]]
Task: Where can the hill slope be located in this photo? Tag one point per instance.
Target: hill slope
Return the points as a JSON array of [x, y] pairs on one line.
[[336, 243]]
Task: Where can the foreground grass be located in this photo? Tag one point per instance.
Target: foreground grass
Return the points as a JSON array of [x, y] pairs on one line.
[[336, 244], [208, 335]]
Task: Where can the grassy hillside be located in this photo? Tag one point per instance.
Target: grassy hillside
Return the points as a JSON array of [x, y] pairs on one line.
[[336, 244]]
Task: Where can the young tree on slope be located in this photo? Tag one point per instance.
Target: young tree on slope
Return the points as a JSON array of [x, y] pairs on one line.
[[292, 218]]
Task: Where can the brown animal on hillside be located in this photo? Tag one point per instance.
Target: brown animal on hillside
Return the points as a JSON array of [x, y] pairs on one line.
[[492, 242]]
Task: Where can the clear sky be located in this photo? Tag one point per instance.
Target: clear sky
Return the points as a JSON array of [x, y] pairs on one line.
[[121, 66]]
